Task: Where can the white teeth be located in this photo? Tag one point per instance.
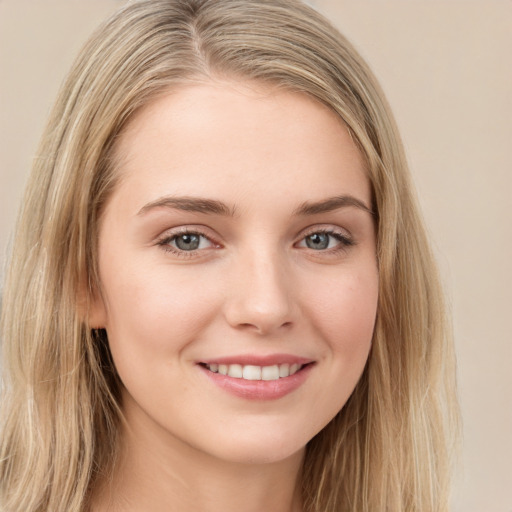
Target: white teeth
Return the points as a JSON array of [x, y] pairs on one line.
[[252, 372], [284, 370], [270, 372], [235, 370]]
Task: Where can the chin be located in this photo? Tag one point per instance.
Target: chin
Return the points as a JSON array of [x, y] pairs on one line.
[[267, 446], [260, 454]]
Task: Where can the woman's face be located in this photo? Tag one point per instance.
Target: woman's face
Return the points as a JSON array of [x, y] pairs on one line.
[[238, 270]]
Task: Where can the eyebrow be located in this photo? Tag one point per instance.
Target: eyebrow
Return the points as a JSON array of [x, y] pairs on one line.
[[190, 204], [331, 204], [212, 206]]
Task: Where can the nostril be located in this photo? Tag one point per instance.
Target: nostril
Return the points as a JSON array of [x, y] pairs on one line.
[[263, 327]]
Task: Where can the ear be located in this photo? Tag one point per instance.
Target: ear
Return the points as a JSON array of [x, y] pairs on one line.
[[96, 313], [91, 307]]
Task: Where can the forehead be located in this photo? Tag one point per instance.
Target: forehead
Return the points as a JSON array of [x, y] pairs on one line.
[[209, 138]]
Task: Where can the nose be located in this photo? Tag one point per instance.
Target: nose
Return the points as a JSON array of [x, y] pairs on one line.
[[260, 297]]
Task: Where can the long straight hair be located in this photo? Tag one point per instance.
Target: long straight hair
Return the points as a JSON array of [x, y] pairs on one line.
[[390, 447]]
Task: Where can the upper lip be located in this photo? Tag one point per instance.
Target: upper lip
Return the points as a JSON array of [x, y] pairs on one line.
[[259, 360]]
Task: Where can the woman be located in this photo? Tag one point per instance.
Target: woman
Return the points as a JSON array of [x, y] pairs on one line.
[[221, 295]]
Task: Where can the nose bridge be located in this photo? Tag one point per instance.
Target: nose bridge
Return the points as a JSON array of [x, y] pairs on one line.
[[260, 296]]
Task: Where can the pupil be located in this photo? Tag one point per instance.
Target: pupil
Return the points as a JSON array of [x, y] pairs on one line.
[[318, 241], [187, 242]]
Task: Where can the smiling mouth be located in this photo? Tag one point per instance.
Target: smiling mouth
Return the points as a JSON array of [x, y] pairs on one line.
[[252, 372]]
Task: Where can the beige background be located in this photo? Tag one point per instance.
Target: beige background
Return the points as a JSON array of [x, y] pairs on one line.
[[446, 67]]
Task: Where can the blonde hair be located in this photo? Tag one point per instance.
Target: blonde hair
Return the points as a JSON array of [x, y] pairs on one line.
[[389, 448]]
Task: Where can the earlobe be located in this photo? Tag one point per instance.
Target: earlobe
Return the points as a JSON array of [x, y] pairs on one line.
[[96, 317], [91, 308]]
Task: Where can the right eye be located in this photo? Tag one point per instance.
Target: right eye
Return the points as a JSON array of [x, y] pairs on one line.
[[186, 243], [189, 242]]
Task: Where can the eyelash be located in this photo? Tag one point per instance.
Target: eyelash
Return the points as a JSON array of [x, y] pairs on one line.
[[344, 241], [166, 241]]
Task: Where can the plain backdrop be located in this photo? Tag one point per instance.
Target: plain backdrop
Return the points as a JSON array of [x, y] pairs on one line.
[[446, 68]]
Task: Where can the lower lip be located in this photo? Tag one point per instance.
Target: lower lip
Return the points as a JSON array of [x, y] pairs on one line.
[[259, 389]]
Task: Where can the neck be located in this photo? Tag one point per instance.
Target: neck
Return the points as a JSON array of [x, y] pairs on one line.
[[158, 472]]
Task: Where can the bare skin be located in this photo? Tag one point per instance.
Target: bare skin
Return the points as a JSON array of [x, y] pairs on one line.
[[145, 480], [240, 232]]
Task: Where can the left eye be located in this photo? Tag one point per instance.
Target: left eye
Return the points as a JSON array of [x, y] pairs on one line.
[[321, 241], [189, 242]]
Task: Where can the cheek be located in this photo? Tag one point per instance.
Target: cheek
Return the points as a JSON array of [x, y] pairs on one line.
[[345, 311], [155, 312]]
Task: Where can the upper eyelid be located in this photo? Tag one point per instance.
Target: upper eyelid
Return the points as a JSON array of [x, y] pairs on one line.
[[206, 232], [324, 228], [183, 230]]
